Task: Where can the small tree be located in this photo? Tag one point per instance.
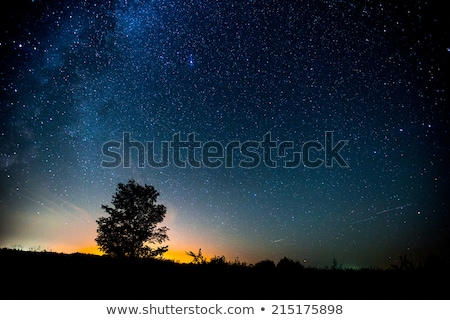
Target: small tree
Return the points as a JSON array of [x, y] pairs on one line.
[[132, 224], [197, 258]]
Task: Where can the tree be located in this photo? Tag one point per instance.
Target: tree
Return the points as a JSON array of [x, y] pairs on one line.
[[132, 224], [198, 258]]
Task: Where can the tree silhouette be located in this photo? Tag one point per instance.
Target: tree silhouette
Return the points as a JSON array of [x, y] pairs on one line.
[[132, 224], [197, 258]]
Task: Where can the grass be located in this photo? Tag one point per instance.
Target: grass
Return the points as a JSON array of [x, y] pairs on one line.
[[49, 275]]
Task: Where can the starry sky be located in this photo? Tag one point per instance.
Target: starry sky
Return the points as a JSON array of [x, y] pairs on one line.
[[76, 74]]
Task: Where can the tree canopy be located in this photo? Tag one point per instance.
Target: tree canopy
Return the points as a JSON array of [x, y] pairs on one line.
[[132, 224]]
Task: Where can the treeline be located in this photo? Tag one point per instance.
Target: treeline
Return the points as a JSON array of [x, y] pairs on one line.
[[431, 263]]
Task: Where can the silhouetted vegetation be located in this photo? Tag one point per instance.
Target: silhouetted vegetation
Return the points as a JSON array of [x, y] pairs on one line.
[[405, 264], [218, 261], [197, 258], [49, 275], [132, 223], [289, 265], [265, 265]]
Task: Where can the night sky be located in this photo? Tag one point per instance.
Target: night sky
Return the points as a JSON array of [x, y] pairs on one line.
[[77, 74]]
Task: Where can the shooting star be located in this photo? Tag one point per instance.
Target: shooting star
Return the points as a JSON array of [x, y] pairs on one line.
[[278, 240], [376, 214]]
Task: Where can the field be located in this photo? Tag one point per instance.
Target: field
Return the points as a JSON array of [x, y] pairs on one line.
[[47, 275]]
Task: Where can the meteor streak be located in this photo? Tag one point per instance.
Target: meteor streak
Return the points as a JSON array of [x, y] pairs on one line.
[[376, 214]]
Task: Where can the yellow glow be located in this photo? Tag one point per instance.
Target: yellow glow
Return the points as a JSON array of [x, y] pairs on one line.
[[181, 256], [178, 254], [91, 250]]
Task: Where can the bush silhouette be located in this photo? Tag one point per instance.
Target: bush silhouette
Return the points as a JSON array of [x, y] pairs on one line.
[[404, 264], [132, 224], [265, 265], [219, 261], [287, 264]]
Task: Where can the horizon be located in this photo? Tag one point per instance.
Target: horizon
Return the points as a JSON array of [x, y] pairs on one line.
[[171, 257]]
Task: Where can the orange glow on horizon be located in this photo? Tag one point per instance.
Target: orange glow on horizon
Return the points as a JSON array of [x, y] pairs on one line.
[[177, 255], [91, 250], [181, 256]]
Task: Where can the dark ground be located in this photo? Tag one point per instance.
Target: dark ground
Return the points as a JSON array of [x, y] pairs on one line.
[[44, 275]]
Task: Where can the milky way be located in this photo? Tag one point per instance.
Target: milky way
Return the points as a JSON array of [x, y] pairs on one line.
[[77, 74]]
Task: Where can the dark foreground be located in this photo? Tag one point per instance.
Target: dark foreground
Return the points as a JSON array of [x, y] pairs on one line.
[[33, 275]]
